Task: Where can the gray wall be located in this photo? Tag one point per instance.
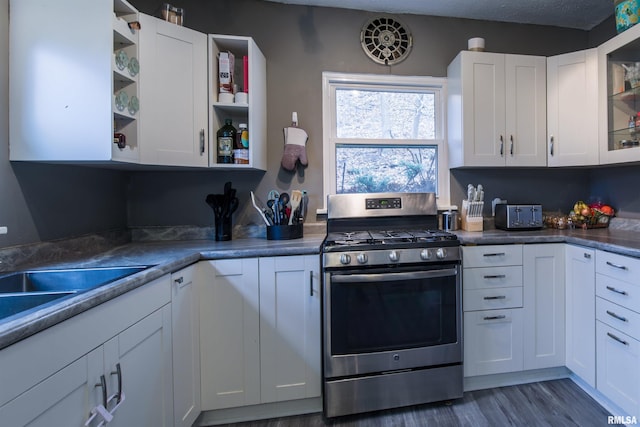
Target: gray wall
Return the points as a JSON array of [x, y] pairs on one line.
[[45, 202]]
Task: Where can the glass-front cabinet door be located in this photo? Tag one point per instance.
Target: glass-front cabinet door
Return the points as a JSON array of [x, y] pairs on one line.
[[619, 87]]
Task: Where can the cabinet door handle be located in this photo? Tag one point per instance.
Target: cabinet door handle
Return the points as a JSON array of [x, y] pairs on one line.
[[551, 141], [616, 316], [501, 146], [202, 145], [511, 146], [587, 256], [496, 297], [618, 266], [495, 276], [311, 283], [103, 385], [617, 291], [502, 316], [179, 281], [494, 254], [621, 341], [118, 372]]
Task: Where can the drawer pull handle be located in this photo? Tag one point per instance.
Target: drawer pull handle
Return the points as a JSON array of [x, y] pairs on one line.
[[502, 316], [587, 256], [495, 276], [621, 267], [494, 254], [179, 280], [621, 341], [496, 297], [612, 289], [616, 316]]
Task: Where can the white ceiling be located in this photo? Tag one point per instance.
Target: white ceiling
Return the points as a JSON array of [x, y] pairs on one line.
[[579, 14]]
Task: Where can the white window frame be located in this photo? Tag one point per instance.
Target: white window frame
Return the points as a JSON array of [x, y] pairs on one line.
[[332, 80]]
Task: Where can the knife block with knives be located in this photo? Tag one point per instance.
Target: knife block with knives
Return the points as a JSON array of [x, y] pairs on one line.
[[471, 213]]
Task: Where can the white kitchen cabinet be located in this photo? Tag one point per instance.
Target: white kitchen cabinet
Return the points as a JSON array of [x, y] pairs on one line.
[[289, 328], [229, 333], [185, 332], [618, 329], [572, 109], [580, 313], [173, 85], [253, 113], [492, 304], [66, 361], [65, 81], [259, 330], [496, 110], [544, 305], [618, 99]]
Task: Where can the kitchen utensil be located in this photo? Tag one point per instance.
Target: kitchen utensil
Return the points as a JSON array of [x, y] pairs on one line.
[[296, 199], [273, 194], [260, 210]]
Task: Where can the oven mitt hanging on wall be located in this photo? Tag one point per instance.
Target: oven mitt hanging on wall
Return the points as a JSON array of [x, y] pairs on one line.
[[295, 140]]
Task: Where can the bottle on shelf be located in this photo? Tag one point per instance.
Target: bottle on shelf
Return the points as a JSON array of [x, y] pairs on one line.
[[632, 126], [226, 137], [241, 151]]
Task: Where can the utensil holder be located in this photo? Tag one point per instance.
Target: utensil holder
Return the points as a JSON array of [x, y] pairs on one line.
[[223, 229], [284, 232]]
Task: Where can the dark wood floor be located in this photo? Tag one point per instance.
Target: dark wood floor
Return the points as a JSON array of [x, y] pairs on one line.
[[557, 403]]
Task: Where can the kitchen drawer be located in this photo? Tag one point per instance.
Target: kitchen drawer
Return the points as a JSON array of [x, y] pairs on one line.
[[491, 255], [618, 266], [490, 299], [618, 317], [618, 291], [492, 277]]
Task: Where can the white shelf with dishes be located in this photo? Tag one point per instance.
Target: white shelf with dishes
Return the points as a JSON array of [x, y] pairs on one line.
[[253, 112]]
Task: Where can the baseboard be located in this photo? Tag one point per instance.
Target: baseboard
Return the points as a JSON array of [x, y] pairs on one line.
[[482, 382], [602, 400], [260, 412]]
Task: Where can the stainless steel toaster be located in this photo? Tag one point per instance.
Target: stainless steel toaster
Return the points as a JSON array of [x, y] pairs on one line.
[[518, 217]]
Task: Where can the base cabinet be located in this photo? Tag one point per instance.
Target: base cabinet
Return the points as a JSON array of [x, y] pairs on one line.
[[123, 346], [580, 316], [259, 330]]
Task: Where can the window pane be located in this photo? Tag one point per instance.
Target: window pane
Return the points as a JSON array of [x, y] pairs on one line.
[[374, 114], [380, 168]]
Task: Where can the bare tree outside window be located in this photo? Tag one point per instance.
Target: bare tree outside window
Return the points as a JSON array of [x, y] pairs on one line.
[[366, 116]]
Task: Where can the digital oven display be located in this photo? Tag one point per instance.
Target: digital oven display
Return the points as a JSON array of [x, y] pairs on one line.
[[392, 203]]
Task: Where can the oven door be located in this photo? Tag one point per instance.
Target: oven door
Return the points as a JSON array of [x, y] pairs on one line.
[[384, 321]]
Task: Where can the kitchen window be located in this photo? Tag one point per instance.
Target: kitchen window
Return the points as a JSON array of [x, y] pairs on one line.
[[384, 134]]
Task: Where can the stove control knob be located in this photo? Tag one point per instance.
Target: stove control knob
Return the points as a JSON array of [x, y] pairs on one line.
[[393, 256], [425, 254], [362, 258], [345, 259], [441, 253]]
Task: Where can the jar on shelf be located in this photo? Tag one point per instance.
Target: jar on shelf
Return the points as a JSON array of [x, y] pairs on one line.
[[226, 137]]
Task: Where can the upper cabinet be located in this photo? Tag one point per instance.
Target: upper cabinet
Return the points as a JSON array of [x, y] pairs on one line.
[[496, 110], [250, 77], [173, 85], [619, 94], [572, 109], [74, 81]]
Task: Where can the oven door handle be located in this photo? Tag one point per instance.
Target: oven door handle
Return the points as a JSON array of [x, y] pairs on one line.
[[389, 277]]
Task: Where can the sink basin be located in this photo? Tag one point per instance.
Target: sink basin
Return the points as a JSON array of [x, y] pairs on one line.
[[74, 279], [25, 290]]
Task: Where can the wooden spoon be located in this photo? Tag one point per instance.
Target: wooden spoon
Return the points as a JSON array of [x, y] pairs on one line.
[[295, 199]]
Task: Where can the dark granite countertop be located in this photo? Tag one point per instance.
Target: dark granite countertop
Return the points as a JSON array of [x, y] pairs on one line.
[[167, 256]]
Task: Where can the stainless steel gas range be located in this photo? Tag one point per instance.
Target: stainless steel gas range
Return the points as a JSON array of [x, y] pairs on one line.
[[392, 332]]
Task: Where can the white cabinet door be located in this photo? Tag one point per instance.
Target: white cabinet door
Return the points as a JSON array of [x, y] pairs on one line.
[[572, 109], [229, 333], [142, 353], [526, 110], [618, 369], [497, 110], [544, 305], [185, 333], [289, 328], [580, 313], [173, 87], [63, 399], [492, 342]]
